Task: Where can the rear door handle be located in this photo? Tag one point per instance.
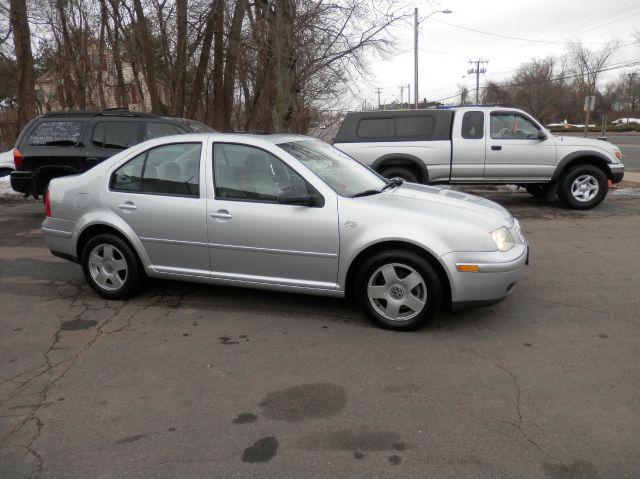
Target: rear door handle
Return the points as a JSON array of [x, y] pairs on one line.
[[496, 147], [128, 206], [223, 214]]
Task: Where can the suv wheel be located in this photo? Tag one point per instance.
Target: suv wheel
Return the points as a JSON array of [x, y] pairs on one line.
[[398, 290], [110, 267], [5, 171], [583, 187], [400, 172]]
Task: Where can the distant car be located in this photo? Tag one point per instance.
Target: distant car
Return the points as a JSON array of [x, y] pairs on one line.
[[282, 212], [625, 121], [67, 143], [6, 163]]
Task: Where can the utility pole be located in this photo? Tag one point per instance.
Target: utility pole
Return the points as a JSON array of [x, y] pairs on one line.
[[401, 95], [409, 96], [378, 91], [632, 77], [477, 71]]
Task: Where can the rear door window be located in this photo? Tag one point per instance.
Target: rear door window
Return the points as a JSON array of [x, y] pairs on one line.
[[154, 129], [115, 135], [56, 133], [473, 125]]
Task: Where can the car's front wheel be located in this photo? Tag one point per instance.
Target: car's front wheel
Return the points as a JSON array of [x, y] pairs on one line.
[[398, 290], [110, 266], [583, 187]]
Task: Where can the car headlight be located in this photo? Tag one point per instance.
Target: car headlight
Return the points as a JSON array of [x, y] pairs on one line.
[[503, 239]]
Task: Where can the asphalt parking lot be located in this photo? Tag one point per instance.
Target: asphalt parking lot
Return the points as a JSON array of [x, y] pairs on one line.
[[196, 381]]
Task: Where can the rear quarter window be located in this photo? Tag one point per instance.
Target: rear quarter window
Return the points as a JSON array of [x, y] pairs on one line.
[[56, 133]]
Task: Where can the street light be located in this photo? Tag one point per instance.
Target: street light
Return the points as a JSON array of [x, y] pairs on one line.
[[416, 22]]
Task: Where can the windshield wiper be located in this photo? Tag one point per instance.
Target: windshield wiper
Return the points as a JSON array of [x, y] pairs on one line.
[[366, 193], [393, 182]]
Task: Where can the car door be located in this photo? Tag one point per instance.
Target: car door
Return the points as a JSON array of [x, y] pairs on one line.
[[158, 194], [253, 238], [468, 151], [515, 151]]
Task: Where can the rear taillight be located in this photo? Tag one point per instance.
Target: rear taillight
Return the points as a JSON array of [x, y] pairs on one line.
[[17, 158], [47, 204]]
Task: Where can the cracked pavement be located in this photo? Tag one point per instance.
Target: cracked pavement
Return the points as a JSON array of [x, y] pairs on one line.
[[189, 380]]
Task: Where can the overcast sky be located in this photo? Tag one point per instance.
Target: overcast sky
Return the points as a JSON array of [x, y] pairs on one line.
[[544, 26]]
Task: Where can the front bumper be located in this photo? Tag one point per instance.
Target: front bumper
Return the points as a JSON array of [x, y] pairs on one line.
[[617, 172], [497, 274]]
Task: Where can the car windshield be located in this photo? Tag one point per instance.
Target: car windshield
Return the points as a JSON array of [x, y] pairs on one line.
[[342, 173]]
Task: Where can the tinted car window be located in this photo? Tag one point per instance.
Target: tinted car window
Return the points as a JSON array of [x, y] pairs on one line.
[[376, 128], [247, 173], [56, 133], [416, 126], [157, 130], [115, 135], [473, 125]]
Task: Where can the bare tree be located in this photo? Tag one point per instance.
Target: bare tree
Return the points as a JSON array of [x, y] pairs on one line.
[[24, 57]]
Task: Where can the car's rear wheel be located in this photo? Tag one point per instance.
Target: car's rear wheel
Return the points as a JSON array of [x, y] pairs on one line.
[[398, 290], [400, 172], [583, 187], [110, 266]]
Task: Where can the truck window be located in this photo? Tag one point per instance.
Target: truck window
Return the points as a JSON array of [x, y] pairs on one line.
[[512, 126], [376, 128], [473, 125], [56, 133], [415, 126]]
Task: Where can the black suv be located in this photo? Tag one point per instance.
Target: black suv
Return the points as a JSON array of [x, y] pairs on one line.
[[67, 143]]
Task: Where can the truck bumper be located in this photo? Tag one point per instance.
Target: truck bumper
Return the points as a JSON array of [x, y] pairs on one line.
[[617, 172], [21, 181]]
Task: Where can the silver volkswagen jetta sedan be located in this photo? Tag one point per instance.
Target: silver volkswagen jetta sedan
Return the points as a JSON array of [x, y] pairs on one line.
[[282, 212]]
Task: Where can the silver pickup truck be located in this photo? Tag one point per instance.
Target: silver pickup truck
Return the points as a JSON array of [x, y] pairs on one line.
[[487, 145]]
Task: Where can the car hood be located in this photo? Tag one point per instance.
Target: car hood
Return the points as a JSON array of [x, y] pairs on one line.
[[575, 141], [430, 201]]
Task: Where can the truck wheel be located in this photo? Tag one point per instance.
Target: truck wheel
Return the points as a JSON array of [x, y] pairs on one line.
[[537, 191], [583, 187], [400, 172], [398, 290], [110, 267]]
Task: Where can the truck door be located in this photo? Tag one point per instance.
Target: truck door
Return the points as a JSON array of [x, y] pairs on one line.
[[468, 150], [515, 149]]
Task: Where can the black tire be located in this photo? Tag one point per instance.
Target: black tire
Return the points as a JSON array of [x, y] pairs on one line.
[[537, 191], [593, 190], [400, 172], [4, 172], [115, 262], [393, 294]]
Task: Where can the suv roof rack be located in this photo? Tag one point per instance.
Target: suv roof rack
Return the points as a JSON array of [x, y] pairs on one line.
[[119, 111]]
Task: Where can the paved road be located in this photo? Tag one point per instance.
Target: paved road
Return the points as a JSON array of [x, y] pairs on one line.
[[196, 381]]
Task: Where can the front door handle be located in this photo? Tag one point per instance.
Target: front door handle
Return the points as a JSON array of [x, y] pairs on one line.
[[222, 214], [128, 206], [496, 147]]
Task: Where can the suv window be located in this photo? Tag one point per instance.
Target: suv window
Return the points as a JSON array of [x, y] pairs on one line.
[[512, 126], [117, 135], [473, 125], [376, 128], [246, 173], [56, 133], [169, 170], [154, 129]]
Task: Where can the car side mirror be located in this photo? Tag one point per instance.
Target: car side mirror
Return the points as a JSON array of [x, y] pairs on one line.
[[542, 135]]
